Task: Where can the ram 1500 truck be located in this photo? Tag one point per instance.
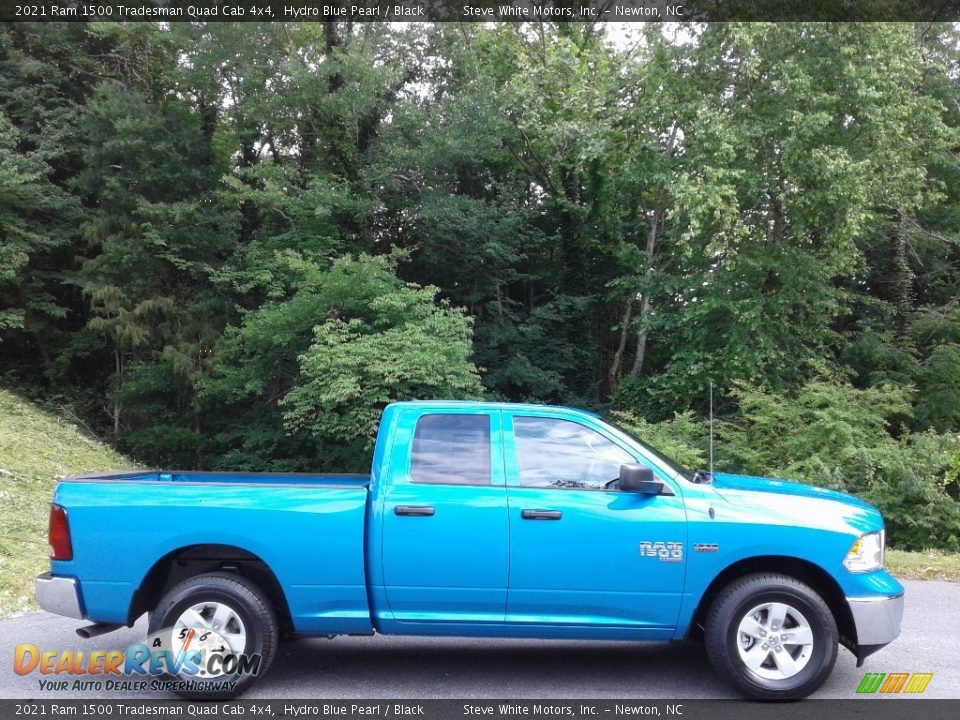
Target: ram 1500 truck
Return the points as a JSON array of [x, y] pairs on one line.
[[485, 520]]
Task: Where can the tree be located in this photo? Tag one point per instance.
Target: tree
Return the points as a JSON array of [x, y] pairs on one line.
[[35, 220], [408, 347], [309, 375], [791, 164]]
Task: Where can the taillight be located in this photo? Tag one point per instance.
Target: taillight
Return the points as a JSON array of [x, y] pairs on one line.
[[59, 535]]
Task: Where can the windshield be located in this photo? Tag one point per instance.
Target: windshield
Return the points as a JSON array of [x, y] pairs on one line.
[[664, 460]]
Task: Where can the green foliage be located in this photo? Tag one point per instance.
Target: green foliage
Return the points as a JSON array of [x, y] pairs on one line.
[[200, 226], [814, 432], [681, 438], [318, 368], [935, 332], [786, 175], [404, 346], [35, 218]]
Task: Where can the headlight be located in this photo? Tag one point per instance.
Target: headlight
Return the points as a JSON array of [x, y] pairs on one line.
[[866, 553]]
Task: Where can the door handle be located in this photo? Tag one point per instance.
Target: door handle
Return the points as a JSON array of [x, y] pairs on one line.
[[415, 510], [541, 514]]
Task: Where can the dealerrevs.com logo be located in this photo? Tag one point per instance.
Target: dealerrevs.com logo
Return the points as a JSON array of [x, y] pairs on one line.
[[180, 659], [893, 683]]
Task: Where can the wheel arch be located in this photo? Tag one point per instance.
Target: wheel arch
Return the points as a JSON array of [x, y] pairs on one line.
[[803, 570], [189, 561]]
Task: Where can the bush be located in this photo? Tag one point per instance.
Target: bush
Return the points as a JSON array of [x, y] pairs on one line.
[[915, 484], [681, 438]]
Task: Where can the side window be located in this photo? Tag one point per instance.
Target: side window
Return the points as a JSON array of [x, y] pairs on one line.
[[450, 449], [560, 453]]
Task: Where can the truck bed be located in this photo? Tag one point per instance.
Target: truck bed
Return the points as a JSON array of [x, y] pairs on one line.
[[308, 528]]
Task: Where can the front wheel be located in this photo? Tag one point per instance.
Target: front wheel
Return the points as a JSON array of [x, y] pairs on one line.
[[228, 627], [771, 636]]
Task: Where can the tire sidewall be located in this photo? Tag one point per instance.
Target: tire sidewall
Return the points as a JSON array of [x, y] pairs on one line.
[[215, 590], [725, 628]]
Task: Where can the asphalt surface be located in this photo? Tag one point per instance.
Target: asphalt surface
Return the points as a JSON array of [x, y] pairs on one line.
[[425, 668]]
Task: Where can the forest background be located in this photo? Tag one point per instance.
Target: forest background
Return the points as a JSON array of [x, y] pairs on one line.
[[228, 246]]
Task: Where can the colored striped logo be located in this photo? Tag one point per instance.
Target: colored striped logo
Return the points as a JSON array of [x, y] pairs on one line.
[[890, 683]]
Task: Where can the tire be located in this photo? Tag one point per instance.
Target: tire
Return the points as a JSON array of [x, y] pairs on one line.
[[250, 622], [764, 663]]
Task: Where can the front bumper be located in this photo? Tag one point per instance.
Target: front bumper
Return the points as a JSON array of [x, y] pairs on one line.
[[877, 620], [60, 595]]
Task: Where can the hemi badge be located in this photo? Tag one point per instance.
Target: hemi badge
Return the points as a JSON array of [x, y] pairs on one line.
[[705, 547]]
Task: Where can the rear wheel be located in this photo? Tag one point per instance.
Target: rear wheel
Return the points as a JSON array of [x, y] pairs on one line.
[[771, 636], [221, 618]]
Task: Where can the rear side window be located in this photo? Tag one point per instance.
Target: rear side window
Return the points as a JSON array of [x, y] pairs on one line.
[[451, 449]]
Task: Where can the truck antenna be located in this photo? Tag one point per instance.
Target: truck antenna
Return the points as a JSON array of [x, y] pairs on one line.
[[711, 428]]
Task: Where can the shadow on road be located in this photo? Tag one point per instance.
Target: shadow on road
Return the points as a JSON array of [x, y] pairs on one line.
[[483, 668]]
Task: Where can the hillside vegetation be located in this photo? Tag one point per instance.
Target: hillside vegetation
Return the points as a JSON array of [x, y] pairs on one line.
[[36, 447]]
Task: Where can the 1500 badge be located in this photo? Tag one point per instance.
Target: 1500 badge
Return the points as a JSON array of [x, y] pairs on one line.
[[665, 551]]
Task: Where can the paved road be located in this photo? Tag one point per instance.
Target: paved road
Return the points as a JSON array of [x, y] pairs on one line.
[[389, 667]]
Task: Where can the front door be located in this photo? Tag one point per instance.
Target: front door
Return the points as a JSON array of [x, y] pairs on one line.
[[445, 536], [582, 554]]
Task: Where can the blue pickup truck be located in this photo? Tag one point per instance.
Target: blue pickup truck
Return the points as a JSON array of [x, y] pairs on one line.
[[485, 520]]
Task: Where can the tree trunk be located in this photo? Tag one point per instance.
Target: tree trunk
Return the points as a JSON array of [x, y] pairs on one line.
[[901, 280], [117, 370], [614, 373], [640, 355], [659, 213]]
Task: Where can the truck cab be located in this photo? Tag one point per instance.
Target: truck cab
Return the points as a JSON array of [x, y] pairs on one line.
[[509, 516], [484, 519]]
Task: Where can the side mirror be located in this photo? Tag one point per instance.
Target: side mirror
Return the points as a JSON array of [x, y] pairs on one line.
[[638, 479]]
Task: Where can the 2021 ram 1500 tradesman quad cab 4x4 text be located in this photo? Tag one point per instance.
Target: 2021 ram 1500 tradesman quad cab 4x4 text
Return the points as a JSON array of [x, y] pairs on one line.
[[480, 519]]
